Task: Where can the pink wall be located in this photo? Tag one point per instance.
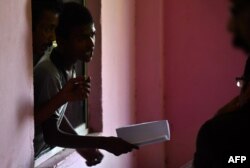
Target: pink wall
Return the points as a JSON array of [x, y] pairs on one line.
[[200, 67], [118, 72], [185, 71], [149, 75], [161, 59], [16, 105]]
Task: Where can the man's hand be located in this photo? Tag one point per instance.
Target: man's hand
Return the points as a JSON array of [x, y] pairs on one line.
[[118, 146], [92, 156], [76, 89]]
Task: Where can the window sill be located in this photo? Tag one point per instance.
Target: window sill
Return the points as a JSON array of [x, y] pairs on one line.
[[58, 154]]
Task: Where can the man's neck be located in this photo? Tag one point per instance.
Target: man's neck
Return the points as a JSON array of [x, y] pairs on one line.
[[63, 60]]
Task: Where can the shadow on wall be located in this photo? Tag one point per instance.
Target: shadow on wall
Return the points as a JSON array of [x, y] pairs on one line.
[[24, 113]]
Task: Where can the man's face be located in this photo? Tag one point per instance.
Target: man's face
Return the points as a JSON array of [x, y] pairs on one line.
[[81, 43], [44, 34], [239, 26]]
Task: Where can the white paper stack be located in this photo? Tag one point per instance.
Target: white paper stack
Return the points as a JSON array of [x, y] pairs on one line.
[[145, 133]]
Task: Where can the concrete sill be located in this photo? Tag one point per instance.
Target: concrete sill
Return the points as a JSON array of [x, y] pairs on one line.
[[58, 154]]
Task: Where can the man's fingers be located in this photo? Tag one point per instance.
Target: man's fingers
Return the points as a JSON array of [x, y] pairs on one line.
[[94, 161], [77, 79]]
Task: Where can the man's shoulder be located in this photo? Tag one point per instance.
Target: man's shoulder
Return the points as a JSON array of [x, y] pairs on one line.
[[237, 116], [45, 66], [227, 126]]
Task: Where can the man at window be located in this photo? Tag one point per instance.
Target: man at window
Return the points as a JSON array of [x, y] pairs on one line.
[[75, 36]]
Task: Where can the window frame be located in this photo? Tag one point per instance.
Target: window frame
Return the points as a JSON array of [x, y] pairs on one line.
[[93, 125]]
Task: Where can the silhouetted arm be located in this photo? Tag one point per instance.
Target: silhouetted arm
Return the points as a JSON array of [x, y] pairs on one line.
[[53, 135]]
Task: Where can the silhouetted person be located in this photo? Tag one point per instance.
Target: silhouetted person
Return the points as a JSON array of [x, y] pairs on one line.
[[227, 134], [45, 14]]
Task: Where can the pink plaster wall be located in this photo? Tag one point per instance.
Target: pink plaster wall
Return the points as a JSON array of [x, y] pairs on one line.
[[185, 71], [200, 67], [16, 88], [160, 60], [149, 75], [118, 52]]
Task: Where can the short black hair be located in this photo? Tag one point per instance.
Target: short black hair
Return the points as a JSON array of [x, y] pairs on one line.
[[246, 74], [73, 15], [39, 6], [239, 5]]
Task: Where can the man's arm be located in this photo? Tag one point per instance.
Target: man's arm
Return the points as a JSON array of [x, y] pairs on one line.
[[75, 89], [93, 156], [53, 135]]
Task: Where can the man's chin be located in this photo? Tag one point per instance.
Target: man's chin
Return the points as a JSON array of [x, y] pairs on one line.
[[86, 60], [238, 43]]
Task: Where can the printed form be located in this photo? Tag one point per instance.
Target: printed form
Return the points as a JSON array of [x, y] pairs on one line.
[[145, 133]]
